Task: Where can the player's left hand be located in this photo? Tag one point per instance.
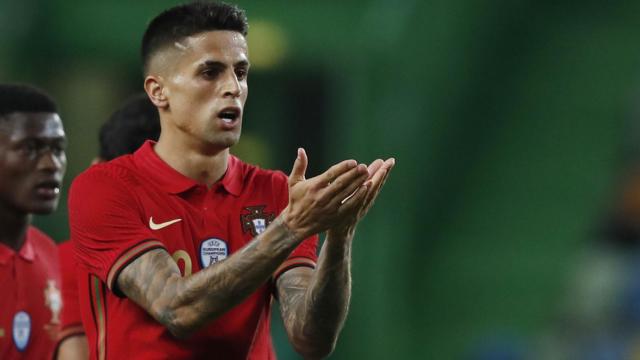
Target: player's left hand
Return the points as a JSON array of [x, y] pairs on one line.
[[356, 207]]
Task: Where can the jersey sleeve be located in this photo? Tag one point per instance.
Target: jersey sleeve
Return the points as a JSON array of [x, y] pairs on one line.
[[107, 226], [306, 254]]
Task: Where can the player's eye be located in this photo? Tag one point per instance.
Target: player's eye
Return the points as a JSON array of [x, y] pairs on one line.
[[241, 74], [210, 73], [29, 148], [58, 148]]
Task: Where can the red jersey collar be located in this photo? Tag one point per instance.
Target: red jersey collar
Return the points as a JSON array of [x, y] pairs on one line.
[[26, 251], [171, 181]]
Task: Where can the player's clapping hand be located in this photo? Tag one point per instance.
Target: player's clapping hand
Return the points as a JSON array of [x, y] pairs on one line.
[[316, 204], [354, 208]]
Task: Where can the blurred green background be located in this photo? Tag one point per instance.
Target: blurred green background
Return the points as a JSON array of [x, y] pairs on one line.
[[507, 119]]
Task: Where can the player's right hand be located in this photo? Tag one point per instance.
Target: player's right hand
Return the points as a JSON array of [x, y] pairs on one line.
[[314, 203]]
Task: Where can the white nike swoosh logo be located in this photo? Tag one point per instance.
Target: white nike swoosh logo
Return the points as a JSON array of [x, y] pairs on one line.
[[155, 226]]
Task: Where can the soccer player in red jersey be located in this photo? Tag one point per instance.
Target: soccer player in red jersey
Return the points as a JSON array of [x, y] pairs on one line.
[[182, 246], [32, 164], [124, 132]]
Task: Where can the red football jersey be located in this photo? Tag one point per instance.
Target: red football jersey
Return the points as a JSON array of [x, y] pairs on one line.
[[70, 320], [123, 208], [31, 302]]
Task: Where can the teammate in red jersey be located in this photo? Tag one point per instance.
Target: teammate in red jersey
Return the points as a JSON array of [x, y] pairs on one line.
[[32, 164], [183, 245], [125, 131]]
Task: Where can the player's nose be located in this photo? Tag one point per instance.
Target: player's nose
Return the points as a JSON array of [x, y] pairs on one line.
[[50, 160], [232, 87]]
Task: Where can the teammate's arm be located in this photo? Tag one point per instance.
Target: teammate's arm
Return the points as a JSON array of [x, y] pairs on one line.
[[314, 303], [73, 348], [183, 305]]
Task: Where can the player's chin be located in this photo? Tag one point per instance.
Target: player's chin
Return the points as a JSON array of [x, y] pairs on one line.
[[43, 207], [229, 139]]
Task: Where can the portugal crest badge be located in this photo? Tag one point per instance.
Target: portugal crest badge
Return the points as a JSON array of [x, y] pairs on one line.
[[53, 300], [256, 221]]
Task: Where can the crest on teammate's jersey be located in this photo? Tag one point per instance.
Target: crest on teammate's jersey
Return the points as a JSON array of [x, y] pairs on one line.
[[256, 221], [53, 300]]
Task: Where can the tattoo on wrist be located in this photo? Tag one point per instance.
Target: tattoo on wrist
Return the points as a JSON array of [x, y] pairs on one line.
[[279, 222]]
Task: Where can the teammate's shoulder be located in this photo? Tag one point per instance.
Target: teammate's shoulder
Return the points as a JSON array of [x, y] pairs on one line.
[[65, 246], [44, 250], [65, 251]]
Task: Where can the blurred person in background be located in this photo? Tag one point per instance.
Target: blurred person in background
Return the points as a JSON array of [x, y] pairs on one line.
[[599, 317], [125, 131], [182, 245], [32, 165]]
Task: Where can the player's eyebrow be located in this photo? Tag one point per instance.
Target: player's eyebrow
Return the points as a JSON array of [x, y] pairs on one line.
[[220, 64], [212, 64], [242, 63]]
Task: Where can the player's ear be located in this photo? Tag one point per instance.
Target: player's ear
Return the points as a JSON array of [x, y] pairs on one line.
[[156, 91]]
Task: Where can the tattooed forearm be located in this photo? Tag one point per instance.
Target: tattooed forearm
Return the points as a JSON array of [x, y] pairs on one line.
[[183, 305], [314, 304], [147, 278], [292, 288]]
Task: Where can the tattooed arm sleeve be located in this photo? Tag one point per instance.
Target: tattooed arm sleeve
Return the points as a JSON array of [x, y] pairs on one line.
[[183, 305], [314, 303]]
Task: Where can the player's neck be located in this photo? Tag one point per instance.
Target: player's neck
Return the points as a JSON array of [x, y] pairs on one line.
[[14, 228], [199, 163]]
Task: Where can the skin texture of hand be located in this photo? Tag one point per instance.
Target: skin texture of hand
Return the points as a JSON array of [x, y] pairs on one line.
[[317, 204], [359, 206]]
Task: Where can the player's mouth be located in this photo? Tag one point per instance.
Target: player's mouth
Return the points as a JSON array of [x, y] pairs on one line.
[[230, 116], [48, 190]]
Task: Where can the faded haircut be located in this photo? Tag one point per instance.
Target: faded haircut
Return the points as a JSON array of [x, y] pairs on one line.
[[179, 22]]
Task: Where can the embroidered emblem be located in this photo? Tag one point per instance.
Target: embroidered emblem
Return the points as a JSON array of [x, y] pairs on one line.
[[21, 330], [53, 299], [211, 251], [257, 220]]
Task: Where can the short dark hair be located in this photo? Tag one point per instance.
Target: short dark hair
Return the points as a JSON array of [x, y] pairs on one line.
[[25, 98], [129, 127], [185, 20]]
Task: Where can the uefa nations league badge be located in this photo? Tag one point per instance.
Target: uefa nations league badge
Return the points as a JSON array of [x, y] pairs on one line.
[[211, 251], [21, 330]]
